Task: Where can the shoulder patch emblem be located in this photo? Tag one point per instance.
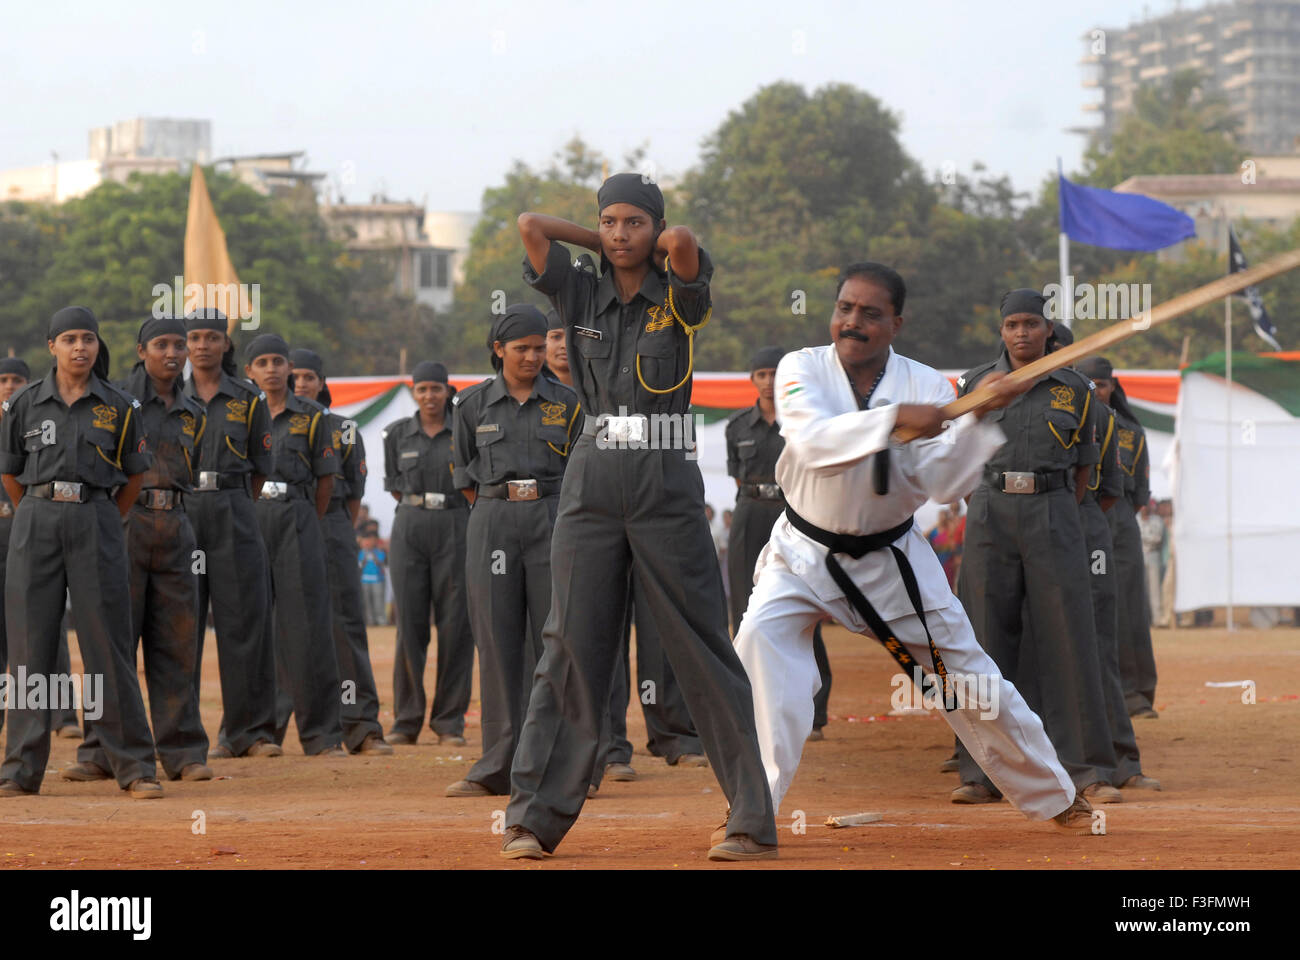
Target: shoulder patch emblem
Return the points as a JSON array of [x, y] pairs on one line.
[[188, 423], [300, 423], [1063, 398], [659, 319], [1127, 438], [105, 417], [236, 410], [553, 413]]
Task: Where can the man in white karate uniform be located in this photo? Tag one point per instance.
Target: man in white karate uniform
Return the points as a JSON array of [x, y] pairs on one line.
[[847, 487]]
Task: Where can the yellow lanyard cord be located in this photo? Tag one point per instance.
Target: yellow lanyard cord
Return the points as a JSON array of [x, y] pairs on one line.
[[690, 339]]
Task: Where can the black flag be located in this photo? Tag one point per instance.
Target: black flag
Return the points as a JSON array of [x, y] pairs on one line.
[[1236, 263]]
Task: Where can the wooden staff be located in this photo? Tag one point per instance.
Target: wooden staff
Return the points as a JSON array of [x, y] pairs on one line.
[[1104, 339]]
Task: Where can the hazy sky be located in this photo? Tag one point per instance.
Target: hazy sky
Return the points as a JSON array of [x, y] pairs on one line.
[[433, 101]]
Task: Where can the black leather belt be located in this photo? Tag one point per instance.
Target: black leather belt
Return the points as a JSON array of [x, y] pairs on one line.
[[761, 491], [66, 491], [1026, 481], [859, 546], [157, 498], [520, 489], [208, 481]]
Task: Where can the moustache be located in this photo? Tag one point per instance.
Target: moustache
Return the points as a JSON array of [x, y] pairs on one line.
[[854, 335]]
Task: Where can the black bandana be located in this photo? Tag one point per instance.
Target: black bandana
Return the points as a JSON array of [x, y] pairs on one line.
[[428, 370], [766, 358], [160, 327], [553, 321], [300, 358], [1023, 300], [15, 365], [520, 320], [80, 318], [1061, 336], [210, 318], [266, 343], [632, 188], [1095, 368]]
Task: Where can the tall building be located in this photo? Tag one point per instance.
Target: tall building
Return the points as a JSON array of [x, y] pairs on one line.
[[394, 233], [189, 141], [1248, 50]]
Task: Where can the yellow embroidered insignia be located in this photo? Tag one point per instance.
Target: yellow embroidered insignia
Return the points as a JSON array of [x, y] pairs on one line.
[[553, 413], [300, 423], [1127, 438], [659, 319], [338, 439], [236, 410], [187, 423], [105, 417], [1062, 398]]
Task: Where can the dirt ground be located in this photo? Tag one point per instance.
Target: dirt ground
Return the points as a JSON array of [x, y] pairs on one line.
[[1229, 801]]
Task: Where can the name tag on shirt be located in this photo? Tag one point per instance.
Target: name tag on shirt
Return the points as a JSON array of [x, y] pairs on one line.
[[488, 428], [588, 332], [408, 455]]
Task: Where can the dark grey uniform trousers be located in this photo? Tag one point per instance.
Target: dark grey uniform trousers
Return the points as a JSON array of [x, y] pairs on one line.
[[1137, 662], [642, 509], [1097, 535], [164, 610], [68, 716], [751, 528], [306, 666], [238, 585], [75, 548], [1026, 551], [509, 599], [359, 709], [427, 552]]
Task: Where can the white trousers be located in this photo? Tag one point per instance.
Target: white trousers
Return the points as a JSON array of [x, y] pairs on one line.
[[775, 644]]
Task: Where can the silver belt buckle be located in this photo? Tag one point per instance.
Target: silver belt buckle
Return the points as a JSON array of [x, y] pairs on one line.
[[65, 491], [769, 491], [275, 490], [209, 480], [435, 501], [6, 510], [521, 490], [1018, 481], [629, 429], [158, 499]]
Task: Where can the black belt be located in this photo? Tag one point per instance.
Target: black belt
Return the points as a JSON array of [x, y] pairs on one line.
[[859, 546], [159, 498], [208, 481], [1043, 480], [501, 491], [761, 491], [66, 491]]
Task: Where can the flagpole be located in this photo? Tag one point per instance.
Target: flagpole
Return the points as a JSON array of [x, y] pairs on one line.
[[1067, 294], [1227, 446]]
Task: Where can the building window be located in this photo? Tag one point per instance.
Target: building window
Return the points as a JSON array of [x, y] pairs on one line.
[[442, 278], [424, 268]]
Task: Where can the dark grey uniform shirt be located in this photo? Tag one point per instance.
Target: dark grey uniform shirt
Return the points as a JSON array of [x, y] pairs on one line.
[[496, 438], [301, 443], [237, 438], [1106, 479], [1134, 461], [607, 338], [415, 462], [753, 446], [97, 441], [1052, 427], [172, 433], [351, 449]]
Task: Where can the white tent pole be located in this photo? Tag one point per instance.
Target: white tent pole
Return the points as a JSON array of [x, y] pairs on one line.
[[1227, 446], [1067, 291]]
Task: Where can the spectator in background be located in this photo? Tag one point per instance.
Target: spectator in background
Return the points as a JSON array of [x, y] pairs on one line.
[[363, 519], [1152, 530], [373, 560], [940, 538], [1168, 618], [957, 537]]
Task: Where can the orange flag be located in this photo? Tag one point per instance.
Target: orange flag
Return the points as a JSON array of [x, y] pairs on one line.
[[210, 278]]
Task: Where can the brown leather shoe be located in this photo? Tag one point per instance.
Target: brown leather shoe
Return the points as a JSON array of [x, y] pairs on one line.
[[220, 752], [1140, 781], [1101, 792], [10, 789], [620, 772], [974, 793], [520, 843], [1144, 713], [451, 740], [85, 772], [691, 760], [69, 732], [951, 765], [592, 790], [1076, 818], [816, 734], [742, 846], [332, 753], [374, 745], [146, 788], [196, 771], [400, 739], [264, 748], [468, 788]]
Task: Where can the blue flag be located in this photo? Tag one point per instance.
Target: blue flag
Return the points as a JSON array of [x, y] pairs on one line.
[[1121, 221]]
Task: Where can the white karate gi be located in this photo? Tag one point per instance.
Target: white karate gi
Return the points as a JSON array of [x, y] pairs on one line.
[[826, 474]]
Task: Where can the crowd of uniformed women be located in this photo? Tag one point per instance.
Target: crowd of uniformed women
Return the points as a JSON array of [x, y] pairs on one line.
[[154, 499]]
